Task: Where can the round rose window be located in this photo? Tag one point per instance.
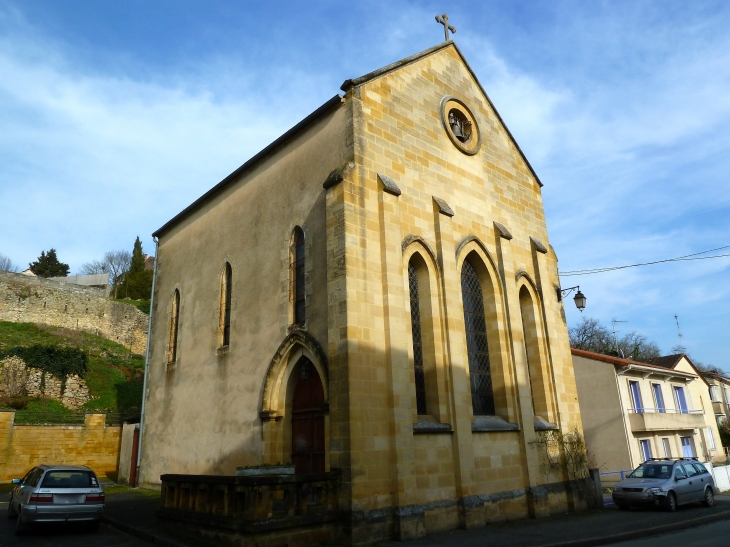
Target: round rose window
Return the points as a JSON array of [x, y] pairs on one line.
[[460, 125]]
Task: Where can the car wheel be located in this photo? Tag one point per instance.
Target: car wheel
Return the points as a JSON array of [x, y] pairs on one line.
[[93, 526], [20, 526], [709, 499], [670, 503], [11, 512], [623, 507]]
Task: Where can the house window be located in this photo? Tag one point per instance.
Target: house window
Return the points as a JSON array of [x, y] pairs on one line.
[[417, 340], [681, 400], [636, 396], [714, 394], [658, 398], [224, 321], [480, 375], [710, 438], [296, 293], [687, 449], [667, 448], [727, 395], [174, 317], [645, 449]]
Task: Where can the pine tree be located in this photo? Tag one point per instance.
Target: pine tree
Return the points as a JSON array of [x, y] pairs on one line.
[[135, 283], [48, 265], [137, 257]]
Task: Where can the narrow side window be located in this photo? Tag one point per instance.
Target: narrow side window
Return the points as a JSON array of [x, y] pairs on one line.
[[224, 321], [296, 267], [174, 317], [417, 339]]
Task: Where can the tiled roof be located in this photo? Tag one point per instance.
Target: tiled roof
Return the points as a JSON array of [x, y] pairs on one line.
[[616, 360], [667, 361]]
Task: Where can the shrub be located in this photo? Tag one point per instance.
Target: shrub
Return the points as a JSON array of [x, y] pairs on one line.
[[54, 360]]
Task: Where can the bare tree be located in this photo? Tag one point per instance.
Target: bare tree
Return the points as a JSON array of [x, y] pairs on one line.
[[591, 335], [115, 263], [6, 265]]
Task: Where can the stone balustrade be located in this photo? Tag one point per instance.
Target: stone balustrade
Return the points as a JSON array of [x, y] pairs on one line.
[[252, 505]]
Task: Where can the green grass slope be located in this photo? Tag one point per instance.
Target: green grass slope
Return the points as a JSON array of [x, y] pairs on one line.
[[114, 375]]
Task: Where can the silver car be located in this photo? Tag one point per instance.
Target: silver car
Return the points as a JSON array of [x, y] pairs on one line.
[[667, 483], [57, 493]]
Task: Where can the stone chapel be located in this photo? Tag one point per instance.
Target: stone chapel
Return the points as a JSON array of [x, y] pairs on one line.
[[373, 292]]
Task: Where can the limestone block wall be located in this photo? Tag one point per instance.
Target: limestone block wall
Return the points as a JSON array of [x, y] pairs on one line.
[[93, 444], [37, 300]]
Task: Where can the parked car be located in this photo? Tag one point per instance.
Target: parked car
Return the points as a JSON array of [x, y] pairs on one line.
[[667, 483], [57, 493]]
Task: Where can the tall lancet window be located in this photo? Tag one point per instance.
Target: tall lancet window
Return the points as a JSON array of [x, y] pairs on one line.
[[224, 321], [480, 375], [297, 276], [417, 339], [174, 317]]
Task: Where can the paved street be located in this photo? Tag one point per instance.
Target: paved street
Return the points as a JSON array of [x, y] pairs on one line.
[[710, 535], [62, 536]]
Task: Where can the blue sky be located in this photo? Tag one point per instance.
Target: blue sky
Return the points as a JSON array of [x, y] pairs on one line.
[[116, 115]]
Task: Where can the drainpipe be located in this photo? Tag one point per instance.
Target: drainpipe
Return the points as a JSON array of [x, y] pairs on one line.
[[147, 358]]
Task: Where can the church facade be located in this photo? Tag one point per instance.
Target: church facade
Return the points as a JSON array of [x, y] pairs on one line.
[[374, 292]]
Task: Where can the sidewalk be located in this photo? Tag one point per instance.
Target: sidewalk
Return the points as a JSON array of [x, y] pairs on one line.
[[133, 511]]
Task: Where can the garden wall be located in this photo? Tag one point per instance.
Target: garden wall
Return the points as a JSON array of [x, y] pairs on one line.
[[25, 299], [23, 446]]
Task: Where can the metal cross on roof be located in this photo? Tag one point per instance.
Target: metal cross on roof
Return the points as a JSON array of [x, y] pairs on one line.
[[444, 20]]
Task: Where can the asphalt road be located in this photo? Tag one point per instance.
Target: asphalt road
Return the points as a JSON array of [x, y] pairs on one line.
[[709, 535], [62, 535]]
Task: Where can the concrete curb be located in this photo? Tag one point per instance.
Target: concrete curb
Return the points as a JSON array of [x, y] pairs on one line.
[[141, 534], [637, 534]]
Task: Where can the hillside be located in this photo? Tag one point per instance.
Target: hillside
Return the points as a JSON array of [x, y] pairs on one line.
[[112, 373]]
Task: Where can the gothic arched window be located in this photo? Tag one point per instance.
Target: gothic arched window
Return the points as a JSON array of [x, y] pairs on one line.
[[174, 319], [480, 375], [297, 276], [539, 386], [224, 320], [417, 338]]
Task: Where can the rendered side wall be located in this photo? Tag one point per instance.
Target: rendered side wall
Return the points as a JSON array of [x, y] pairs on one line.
[[602, 413], [202, 413], [93, 444]]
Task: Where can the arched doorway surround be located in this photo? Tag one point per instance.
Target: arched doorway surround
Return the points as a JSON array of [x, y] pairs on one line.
[[277, 397]]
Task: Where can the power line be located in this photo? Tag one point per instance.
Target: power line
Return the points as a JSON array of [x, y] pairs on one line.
[[678, 259]]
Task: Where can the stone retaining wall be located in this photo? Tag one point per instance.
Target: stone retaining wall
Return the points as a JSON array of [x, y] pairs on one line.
[[26, 299], [93, 444], [17, 379]]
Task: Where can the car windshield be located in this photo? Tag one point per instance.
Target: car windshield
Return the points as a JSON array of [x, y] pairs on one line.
[[69, 479], [652, 471]]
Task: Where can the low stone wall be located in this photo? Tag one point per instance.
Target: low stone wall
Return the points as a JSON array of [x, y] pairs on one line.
[[293, 510], [93, 444], [26, 299]]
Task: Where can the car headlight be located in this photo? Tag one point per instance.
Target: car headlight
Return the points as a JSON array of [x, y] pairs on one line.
[[616, 488], [656, 490]]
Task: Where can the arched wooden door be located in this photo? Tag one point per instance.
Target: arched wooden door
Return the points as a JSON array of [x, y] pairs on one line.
[[307, 423]]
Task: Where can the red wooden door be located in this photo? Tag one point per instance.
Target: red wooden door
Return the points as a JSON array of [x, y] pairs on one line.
[[307, 424]]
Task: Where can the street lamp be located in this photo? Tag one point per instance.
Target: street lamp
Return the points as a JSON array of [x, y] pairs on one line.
[[579, 298]]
